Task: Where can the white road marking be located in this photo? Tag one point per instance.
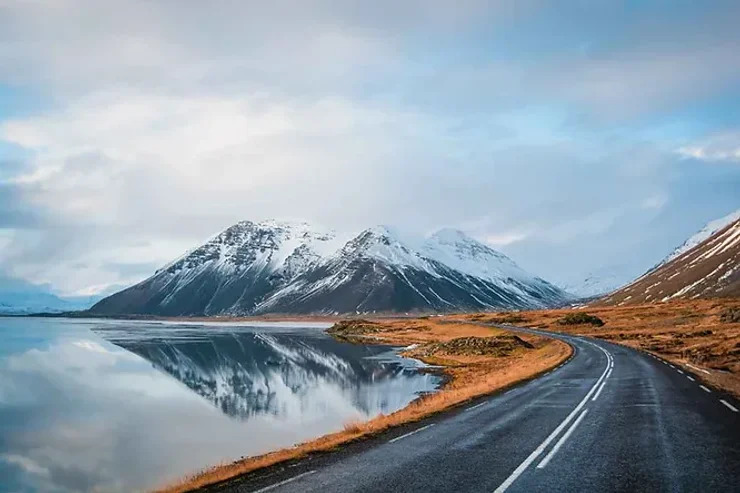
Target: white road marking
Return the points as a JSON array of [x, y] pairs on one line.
[[281, 483], [699, 369], [690, 378], [679, 371], [729, 406], [541, 448], [474, 407], [562, 440], [671, 366], [705, 389], [410, 433], [598, 392]]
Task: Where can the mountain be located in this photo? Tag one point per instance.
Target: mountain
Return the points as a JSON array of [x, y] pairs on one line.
[[594, 284], [18, 297], [705, 266], [708, 230], [279, 267]]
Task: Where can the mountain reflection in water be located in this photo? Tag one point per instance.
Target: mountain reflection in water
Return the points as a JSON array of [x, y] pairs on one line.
[[121, 406], [250, 373]]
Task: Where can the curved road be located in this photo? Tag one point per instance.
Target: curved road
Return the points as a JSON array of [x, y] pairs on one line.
[[609, 419]]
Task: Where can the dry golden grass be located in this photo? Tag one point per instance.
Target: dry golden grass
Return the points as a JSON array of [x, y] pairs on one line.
[[680, 331], [469, 376]]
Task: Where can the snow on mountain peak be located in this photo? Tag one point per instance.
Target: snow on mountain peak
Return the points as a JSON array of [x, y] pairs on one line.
[[287, 266], [708, 230], [381, 243], [461, 252], [266, 244]]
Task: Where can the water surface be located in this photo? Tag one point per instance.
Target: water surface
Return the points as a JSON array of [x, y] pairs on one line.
[[125, 405]]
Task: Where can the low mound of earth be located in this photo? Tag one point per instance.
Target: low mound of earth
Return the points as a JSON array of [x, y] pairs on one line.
[[476, 360], [698, 334], [476, 346]]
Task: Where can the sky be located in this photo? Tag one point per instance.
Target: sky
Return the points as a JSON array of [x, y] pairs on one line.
[[578, 137]]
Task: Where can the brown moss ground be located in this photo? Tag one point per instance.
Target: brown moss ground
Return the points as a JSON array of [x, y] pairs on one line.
[[683, 332], [502, 363]]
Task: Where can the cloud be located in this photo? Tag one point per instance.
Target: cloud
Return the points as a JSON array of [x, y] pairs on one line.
[[503, 239], [524, 123], [719, 148]]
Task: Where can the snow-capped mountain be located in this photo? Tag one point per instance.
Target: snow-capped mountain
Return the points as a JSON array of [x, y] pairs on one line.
[[708, 230], [709, 268], [278, 267]]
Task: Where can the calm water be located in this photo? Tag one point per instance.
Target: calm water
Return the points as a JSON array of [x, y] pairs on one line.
[[119, 406]]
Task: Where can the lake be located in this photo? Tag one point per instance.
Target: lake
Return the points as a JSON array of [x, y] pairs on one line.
[[127, 405]]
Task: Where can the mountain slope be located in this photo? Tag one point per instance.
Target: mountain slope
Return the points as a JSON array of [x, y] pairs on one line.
[[708, 230], [709, 269], [229, 274], [272, 267]]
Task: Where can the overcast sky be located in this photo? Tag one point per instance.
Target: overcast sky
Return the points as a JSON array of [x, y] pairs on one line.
[[575, 136]]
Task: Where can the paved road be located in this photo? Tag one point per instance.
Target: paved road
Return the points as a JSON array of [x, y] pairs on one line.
[[609, 419]]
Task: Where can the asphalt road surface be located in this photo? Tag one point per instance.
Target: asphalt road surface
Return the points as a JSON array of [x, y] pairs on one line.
[[609, 419]]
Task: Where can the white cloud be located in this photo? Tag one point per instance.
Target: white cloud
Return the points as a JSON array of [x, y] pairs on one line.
[[718, 148], [503, 239]]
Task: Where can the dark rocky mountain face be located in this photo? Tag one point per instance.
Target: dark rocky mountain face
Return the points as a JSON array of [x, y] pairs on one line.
[[706, 270], [271, 267]]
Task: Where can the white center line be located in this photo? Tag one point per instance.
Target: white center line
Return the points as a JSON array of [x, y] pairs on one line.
[[690, 378], [475, 407], [598, 392], [562, 440], [541, 448], [281, 483], [705, 389], [730, 406], [410, 433]]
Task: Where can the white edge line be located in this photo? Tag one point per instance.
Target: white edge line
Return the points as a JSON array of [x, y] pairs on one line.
[[562, 440], [541, 448], [699, 369], [729, 406], [410, 433], [475, 407], [281, 483], [704, 388]]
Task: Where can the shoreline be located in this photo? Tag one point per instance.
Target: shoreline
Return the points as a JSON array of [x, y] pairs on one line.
[[466, 377]]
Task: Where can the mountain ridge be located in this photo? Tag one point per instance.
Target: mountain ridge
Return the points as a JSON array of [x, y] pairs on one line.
[[287, 267]]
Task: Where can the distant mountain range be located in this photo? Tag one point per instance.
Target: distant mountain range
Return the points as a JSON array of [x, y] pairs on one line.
[[281, 267], [19, 297], [707, 265], [595, 284]]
